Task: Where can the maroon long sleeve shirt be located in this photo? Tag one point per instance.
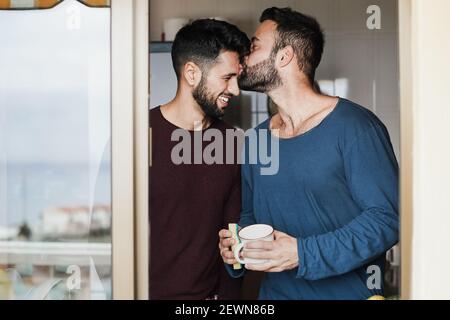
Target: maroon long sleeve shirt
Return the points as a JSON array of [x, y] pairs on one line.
[[189, 204]]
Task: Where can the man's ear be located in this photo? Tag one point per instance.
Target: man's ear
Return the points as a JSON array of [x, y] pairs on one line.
[[285, 56], [192, 74]]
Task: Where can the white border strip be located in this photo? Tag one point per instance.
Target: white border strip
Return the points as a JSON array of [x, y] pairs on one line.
[[122, 150], [141, 138]]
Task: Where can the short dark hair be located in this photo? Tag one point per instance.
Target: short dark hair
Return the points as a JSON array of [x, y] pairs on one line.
[[203, 40], [300, 31]]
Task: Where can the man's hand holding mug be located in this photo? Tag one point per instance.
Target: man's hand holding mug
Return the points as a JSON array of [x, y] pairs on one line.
[[264, 249]]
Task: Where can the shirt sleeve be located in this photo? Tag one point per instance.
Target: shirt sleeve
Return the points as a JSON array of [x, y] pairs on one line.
[[230, 287], [371, 172], [247, 217]]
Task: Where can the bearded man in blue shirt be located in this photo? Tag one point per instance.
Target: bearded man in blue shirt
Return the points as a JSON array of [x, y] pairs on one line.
[[334, 200]]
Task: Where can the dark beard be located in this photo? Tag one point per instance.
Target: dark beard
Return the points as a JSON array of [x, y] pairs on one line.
[[261, 77], [207, 101]]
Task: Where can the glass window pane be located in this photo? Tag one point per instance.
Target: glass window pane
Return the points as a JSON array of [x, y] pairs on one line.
[[55, 153]]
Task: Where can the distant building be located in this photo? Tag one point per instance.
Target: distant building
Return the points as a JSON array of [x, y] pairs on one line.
[[7, 233], [79, 221]]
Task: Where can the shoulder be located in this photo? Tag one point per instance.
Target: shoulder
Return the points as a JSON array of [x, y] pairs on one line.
[[357, 123], [263, 125], [353, 114], [155, 113], [253, 135], [354, 119], [158, 123], [155, 109]]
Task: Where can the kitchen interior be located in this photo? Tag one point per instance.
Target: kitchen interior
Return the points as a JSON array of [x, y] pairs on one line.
[[359, 63]]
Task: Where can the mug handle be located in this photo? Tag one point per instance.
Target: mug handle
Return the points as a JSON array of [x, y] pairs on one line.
[[236, 252]]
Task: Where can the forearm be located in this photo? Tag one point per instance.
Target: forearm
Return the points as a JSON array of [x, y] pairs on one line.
[[347, 248]]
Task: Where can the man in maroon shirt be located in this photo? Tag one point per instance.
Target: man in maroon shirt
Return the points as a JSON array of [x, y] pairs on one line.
[[192, 200]]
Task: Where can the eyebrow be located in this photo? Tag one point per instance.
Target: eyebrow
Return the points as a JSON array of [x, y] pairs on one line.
[[255, 39], [230, 75]]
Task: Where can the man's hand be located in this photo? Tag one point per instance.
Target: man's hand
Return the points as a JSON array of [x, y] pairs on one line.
[[282, 253], [225, 243]]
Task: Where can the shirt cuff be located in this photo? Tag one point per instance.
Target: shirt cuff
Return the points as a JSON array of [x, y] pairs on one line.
[[234, 273], [301, 271]]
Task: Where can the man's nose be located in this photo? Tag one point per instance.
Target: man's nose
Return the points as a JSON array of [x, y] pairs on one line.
[[233, 87]]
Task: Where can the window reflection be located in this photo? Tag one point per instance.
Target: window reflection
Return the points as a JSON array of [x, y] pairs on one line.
[[55, 164]]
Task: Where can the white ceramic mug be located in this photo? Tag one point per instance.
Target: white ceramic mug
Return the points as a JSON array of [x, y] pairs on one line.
[[252, 233]]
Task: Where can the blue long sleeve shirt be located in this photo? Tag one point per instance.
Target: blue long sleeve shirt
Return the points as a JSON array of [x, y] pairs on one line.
[[336, 192]]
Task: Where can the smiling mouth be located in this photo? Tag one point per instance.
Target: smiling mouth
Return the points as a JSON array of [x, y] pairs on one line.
[[223, 101]]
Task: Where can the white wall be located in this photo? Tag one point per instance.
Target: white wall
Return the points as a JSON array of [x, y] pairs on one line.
[[429, 259], [368, 59]]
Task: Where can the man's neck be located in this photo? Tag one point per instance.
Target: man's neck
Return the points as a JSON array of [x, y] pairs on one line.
[[184, 112], [299, 103]]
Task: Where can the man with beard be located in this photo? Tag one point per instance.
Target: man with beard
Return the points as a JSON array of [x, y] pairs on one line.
[[191, 202], [334, 200]]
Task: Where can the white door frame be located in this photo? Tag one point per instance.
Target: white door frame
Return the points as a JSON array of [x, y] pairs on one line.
[[130, 78], [425, 172], [406, 134]]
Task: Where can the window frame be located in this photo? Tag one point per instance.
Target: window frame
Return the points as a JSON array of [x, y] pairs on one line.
[[130, 149]]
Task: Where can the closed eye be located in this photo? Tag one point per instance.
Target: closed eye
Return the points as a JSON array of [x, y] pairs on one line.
[[229, 76], [254, 47]]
